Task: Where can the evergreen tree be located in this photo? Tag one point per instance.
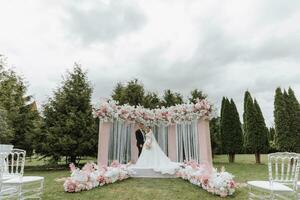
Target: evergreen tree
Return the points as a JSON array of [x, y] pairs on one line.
[[196, 94], [171, 99], [6, 134], [231, 131], [262, 144], [134, 93], [118, 94], [255, 131], [69, 125], [294, 119], [16, 104], [281, 118], [151, 100], [272, 139], [287, 120], [214, 126]]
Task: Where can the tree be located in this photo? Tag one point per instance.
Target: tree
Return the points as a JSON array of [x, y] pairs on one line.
[[287, 120], [272, 139], [214, 126], [171, 99], [16, 103], [196, 94], [134, 93], [231, 130], [69, 125], [118, 94], [6, 134], [262, 132], [281, 118], [151, 100], [255, 131], [294, 119]]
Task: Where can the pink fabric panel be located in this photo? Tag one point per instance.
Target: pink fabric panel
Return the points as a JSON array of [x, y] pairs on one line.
[[134, 149], [204, 142], [172, 143], [104, 131]]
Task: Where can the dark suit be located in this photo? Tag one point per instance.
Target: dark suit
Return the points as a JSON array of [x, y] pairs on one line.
[[139, 140]]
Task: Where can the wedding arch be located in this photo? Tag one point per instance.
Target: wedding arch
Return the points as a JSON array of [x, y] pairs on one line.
[[182, 131]]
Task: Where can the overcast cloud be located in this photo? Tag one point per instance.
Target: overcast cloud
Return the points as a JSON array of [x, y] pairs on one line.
[[221, 47]]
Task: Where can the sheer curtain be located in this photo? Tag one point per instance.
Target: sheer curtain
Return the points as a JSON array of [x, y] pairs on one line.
[[120, 142], [161, 135], [187, 141]]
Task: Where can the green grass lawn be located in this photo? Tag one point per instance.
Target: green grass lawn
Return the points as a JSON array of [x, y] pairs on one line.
[[151, 189]]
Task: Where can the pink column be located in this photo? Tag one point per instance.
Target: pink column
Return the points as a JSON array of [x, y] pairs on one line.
[[103, 140], [204, 142], [172, 143], [134, 149]]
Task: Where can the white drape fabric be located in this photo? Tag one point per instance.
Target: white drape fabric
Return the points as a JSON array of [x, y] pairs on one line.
[[187, 141], [161, 136], [120, 142]]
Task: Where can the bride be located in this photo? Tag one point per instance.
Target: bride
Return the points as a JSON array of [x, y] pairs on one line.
[[152, 157]]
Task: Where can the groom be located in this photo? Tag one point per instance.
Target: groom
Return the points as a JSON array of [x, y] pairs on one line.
[[140, 137]]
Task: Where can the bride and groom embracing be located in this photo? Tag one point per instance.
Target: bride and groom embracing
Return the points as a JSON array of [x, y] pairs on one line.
[[150, 154]]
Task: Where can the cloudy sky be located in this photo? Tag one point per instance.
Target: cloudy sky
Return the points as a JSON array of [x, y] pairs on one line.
[[221, 47]]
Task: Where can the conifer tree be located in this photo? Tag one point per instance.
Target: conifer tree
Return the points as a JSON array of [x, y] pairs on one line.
[[69, 127], [231, 131]]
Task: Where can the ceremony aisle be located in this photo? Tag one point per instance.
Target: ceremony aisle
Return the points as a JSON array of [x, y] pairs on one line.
[[156, 189]]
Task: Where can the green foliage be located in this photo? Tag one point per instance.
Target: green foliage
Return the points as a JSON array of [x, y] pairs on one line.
[[6, 134], [196, 94], [171, 98], [272, 139], [151, 100], [214, 126], [231, 131], [287, 120], [262, 130], [21, 119], [69, 127], [255, 130], [132, 93], [118, 94]]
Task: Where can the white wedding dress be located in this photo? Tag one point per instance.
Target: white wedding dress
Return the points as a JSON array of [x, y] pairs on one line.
[[152, 157]]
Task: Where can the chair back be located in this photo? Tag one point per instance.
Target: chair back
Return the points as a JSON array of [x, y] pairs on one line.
[[284, 167], [14, 163], [3, 155]]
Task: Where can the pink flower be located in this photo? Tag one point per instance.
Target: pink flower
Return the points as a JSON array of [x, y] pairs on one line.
[[115, 163], [101, 180], [88, 168], [69, 185], [232, 184], [72, 167]]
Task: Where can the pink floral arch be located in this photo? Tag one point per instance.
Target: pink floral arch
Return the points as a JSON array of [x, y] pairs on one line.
[[201, 112]]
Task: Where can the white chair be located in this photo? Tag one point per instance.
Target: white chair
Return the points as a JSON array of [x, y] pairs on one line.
[[7, 192], [283, 172], [29, 186]]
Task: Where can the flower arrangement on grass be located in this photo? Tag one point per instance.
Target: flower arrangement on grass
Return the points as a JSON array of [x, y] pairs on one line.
[[109, 110], [219, 183], [91, 176]]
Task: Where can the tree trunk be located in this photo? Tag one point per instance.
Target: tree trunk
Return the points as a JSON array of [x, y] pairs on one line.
[[231, 157], [257, 157], [73, 159]]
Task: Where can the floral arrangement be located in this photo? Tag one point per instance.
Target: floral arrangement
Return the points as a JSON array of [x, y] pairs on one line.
[[109, 110], [91, 176], [218, 183]]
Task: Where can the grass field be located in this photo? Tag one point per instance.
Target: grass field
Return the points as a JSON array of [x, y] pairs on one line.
[[153, 189]]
